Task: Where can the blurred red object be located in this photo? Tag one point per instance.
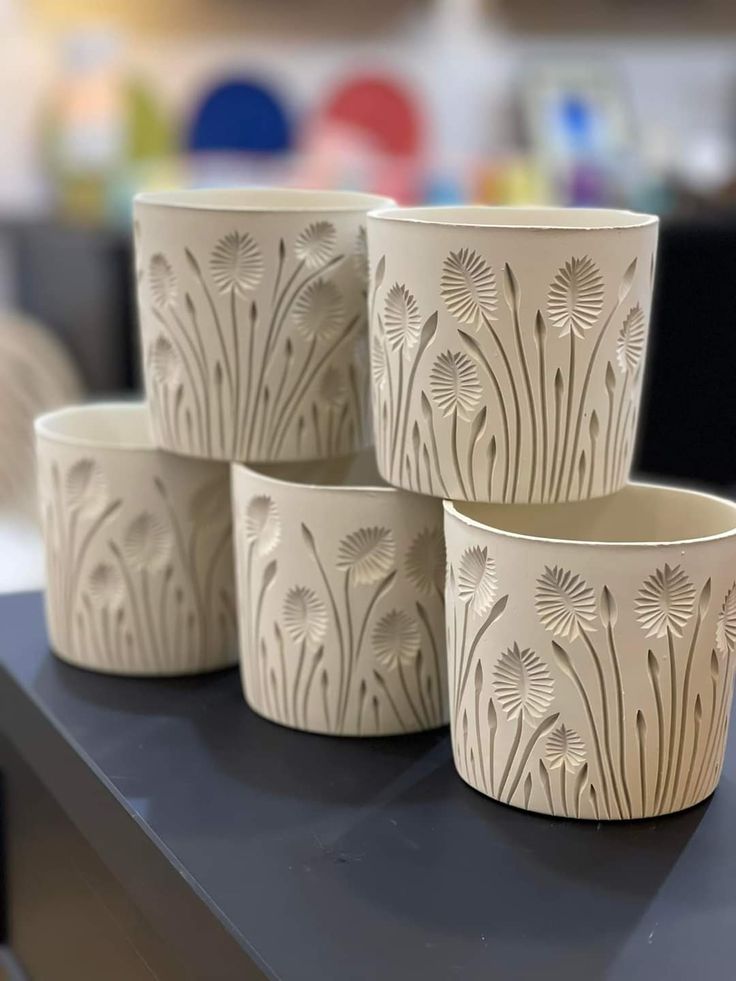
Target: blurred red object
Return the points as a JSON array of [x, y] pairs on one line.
[[380, 108]]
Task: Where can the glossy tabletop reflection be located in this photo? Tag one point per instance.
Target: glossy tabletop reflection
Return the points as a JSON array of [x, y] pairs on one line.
[[334, 859]]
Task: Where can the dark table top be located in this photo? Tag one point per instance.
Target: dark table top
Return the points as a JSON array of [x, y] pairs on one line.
[[264, 850]]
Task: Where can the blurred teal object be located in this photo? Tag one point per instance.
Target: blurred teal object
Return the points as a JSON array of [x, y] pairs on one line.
[[241, 115]]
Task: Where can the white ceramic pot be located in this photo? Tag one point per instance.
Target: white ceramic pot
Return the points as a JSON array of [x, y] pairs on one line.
[[139, 562], [591, 650], [507, 349], [340, 599], [252, 308]]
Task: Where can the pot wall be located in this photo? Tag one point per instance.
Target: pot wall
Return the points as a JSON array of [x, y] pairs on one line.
[[507, 361], [589, 681], [341, 606]]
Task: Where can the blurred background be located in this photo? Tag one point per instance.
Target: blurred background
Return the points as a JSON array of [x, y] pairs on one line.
[[630, 103]]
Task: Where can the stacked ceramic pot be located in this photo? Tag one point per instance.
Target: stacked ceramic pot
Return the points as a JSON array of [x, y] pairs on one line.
[[591, 623]]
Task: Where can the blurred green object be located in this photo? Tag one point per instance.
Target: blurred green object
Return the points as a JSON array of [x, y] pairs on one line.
[[150, 134]]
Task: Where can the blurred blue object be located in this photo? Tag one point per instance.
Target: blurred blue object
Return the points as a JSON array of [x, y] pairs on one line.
[[443, 189], [241, 115]]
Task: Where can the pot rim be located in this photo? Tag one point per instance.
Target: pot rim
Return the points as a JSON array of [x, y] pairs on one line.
[[282, 200], [44, 426], [452, 508], [461, 216], [238, 466]]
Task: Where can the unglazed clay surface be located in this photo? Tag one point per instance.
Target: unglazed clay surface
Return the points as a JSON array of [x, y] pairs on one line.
[[253, 323], [140, 576], [507, 354], [590, 680], [340, 600]]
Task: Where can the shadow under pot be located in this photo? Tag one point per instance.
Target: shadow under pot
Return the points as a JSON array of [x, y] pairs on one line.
[[138, 543], [591, 650], [340, 599], [507, 349], [252, 310]]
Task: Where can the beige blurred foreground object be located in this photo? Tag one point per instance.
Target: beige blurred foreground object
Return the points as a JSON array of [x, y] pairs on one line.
[[591, 650], [138, 547], [508, 349], [340, 599]]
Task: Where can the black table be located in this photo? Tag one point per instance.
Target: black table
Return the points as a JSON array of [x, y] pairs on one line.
[[228, 847]]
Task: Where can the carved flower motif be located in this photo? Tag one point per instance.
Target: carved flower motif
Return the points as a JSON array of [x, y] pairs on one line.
[[86, 487], [454, 384], [165, 362], [360, 255], [468, 287], [396, 639], [565, 748], [378, 362], [367, 554], [305, 616], [163, 281], [476, 579], [401, 318], [631, 337], [565, 603], [575, 297], [236, 263], [318, 312], [522, 683], [665, 602], [146, 542], [332, 388], [262, 524], [726, 624], [105, 585], [425, 561], [315, 244]]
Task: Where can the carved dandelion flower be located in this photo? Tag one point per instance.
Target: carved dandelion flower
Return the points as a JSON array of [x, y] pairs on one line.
[[665, 602], [318, 312], [86, 487], [236, 263], [162, 279], [315, 244], [165, 362], [565, 603], [476, 579], [305, 616], [401, 318], [630, 342], [468, 287], [146, 542], [425, 560], [360, 255], [378, 362], [367, 554], [396, 639], [575, 297], [262, 524], [726, 624], [565, 748], [332, 388], [522, 683], [105, 585], [454, 384]]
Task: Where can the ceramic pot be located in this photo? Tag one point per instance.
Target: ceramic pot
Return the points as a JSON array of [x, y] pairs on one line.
[[507, 349], [340, 599], [591, 650], [252, 309], [140, 576]]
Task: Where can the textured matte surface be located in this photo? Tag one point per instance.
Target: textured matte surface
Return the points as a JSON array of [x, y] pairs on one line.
[[327, 858]]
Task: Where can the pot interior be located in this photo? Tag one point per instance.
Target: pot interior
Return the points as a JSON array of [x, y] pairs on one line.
[[264, 199], [352, 470], [638, 513], [112, 426], [538, 218]]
